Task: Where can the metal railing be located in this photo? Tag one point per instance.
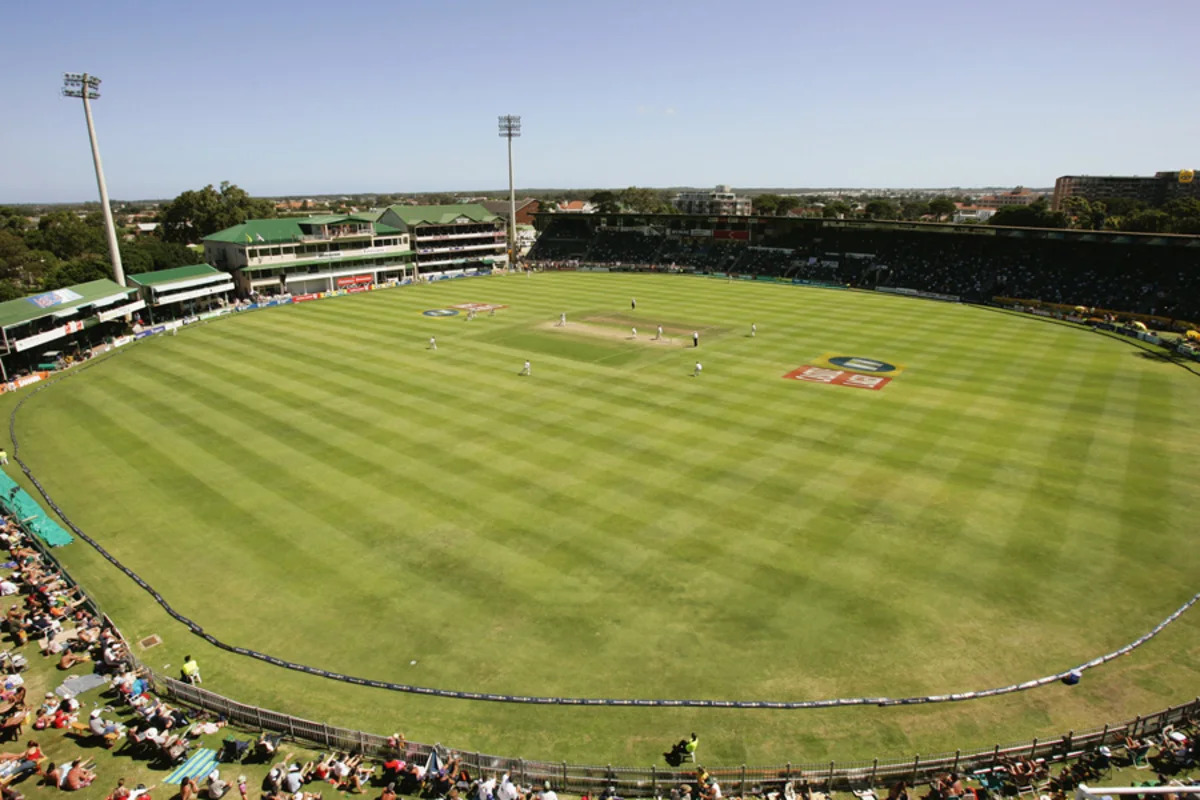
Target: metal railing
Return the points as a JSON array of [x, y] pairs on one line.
[[653, 781]]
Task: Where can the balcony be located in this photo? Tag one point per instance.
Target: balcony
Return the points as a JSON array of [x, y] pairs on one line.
[[459, 248], [328, 255], [442, 237]]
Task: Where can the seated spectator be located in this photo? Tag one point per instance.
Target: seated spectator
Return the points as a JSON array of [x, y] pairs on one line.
[[507, 790], [78, 776], [55, 775], [266, 744], [100, 727], [216, 787], [293, 780], [189, 789], [14, 766], [272, 783]]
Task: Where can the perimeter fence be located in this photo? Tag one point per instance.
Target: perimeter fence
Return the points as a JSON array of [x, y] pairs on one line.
[[653, 781]]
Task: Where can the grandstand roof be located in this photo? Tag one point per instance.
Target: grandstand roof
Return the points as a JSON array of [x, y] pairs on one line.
[[441, 215], [55, 303], [172, 275], [285, 229]]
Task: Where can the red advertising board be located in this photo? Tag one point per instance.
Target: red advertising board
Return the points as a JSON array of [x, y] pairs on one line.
[[353, 280], [300, 298]]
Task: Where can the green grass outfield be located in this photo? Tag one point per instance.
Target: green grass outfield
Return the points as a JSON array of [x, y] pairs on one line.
[[314, 483]]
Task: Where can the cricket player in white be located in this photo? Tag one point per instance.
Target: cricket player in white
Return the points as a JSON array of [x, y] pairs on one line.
[[634, 332], [432, 343], [527, 369], [696, 371], [753, 329], [562, 319], [659, 336]]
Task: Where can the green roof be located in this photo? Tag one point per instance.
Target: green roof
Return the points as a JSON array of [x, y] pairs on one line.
[[381, 229], [45, 304], [282, 230], [442, 215], [261, 231], [172, 275]]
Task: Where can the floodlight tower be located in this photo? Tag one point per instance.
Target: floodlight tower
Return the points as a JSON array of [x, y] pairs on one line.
[[87, 87], [510, 128]]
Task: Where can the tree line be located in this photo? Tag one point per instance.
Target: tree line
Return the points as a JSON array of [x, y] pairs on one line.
[[63, 247]]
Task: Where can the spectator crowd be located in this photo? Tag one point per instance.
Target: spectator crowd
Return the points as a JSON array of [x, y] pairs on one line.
[[1144, 275]]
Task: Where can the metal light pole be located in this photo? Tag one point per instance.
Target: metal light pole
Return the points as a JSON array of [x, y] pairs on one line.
[[87, 87], [510, 128]]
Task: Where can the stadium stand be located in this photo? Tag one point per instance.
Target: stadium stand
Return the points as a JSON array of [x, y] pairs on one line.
[[1137, 273]]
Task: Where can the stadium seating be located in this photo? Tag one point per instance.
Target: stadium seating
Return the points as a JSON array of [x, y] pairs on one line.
[[1147, 275]]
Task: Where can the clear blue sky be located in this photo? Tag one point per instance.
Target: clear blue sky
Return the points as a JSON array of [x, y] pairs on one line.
[[302, 97]]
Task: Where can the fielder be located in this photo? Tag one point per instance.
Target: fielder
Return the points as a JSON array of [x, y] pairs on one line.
[[697, 370], [695, 338], [659, 334], [432, 343], [753, 329], [634, 332], [527, 369]]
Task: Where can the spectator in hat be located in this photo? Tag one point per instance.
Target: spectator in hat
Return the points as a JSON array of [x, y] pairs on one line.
[[98, 726]]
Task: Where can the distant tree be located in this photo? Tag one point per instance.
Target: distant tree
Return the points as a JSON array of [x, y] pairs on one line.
[[606, 202], [881, 208], [166, 255], [1150, 220], [766, 205], [68, 236], [1122, 206], [12, 220], [1035, 215], [941, 207], [195, 214], [914, 209], [1184, 213], [134, 259], [1078, 210], [836, 209], [644, 201], [786, 203], [78, 270], [14, 260]]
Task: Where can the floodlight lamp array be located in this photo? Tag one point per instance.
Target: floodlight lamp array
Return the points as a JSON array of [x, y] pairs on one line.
[[80, 78], [510, 126]]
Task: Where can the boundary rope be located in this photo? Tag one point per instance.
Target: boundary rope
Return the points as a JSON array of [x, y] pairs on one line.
[[195, 628]]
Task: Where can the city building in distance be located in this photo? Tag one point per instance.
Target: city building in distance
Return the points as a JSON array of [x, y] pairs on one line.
[[1019, 196], [1163, 187], [720, 201]]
